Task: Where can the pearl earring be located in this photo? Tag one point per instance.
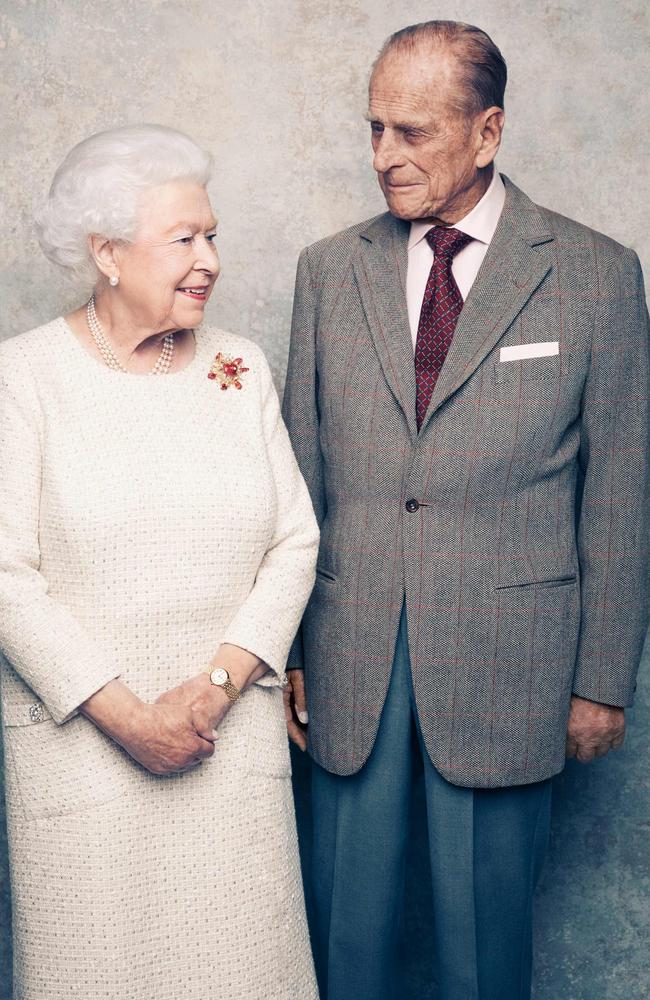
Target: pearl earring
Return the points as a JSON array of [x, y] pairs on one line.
[[113, 280]]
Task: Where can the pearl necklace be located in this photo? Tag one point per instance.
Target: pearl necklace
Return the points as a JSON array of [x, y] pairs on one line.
[[109, 357]]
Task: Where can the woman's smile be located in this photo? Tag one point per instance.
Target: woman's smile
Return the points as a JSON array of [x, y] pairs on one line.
[[199, 293]]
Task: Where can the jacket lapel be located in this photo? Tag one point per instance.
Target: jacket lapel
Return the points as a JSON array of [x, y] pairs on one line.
[[380, 270], [511, 271]]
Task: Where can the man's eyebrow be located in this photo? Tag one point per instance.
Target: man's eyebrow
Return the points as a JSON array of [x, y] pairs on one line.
[[412, 126]]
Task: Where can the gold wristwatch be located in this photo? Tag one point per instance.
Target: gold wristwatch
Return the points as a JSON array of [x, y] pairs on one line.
[[221, 678]]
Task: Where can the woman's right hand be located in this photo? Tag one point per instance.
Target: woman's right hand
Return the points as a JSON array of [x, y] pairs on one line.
[[161, 737]]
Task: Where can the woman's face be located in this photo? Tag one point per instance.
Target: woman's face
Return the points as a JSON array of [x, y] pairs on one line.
[[167, 273]]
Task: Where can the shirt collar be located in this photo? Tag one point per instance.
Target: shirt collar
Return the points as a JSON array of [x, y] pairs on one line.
[[480, 223]]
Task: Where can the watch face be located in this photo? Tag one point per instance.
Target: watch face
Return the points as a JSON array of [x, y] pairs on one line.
[[219, 676]]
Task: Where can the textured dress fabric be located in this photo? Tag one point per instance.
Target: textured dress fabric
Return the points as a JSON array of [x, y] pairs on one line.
[[144, 521]]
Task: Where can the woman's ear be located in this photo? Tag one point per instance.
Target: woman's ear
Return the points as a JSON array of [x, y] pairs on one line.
[[103, 252]]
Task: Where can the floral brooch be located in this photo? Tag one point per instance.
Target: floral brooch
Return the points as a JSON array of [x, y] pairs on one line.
[[228, 371]]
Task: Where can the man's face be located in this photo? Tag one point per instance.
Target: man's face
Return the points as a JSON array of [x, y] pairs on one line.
[[425, 149]]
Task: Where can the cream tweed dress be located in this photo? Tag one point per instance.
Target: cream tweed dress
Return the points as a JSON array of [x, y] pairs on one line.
[[143, 521]]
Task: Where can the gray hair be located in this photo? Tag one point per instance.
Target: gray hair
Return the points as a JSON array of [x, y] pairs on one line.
[[96, 188], [482, 67]]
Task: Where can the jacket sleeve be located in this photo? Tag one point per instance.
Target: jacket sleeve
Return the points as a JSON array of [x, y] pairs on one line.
[[300, 405], [39, 636], [613, 526], [267, 621]]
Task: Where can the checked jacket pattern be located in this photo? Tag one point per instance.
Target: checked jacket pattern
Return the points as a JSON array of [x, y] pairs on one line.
[[524, 560]]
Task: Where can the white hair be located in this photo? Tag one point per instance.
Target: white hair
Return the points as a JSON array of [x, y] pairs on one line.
[[97, 187]]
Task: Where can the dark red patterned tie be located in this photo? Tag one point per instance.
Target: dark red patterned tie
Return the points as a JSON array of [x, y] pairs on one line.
[[441, 308]]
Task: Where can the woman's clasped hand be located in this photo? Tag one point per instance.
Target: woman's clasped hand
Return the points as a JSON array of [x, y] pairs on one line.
[[165, 737]]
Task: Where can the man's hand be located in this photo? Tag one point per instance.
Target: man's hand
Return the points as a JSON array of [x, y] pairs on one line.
[[295, 708], [593, 729]]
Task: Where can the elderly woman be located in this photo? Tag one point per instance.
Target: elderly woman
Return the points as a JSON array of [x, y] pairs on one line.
[[157, 546]]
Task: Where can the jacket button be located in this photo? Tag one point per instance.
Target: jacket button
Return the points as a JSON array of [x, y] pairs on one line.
[[36, 713], [412, 506]]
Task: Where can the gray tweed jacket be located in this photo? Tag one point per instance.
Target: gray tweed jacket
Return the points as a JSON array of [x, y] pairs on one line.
[[514, 523]]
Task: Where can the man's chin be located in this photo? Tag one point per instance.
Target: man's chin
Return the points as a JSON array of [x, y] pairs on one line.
[[402, 211], [401, 207]]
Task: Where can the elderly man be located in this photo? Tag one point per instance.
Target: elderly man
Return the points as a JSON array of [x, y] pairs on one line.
[[468, 399]]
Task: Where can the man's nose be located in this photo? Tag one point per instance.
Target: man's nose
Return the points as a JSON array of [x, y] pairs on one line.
[[387, 152]]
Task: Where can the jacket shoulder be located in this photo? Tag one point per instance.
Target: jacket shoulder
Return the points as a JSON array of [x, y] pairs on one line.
[[589, 260], [572, 236], [340, 246]]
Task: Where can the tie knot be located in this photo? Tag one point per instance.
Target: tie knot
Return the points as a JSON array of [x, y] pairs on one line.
[[447, 242]]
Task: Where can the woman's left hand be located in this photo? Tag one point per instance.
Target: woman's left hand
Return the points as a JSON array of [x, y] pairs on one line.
[[209, 704]]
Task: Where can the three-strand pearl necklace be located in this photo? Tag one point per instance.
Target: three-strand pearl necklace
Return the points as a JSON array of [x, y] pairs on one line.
[[109, 357]]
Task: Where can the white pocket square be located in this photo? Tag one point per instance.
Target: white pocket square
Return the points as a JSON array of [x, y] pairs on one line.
[[518, 351]]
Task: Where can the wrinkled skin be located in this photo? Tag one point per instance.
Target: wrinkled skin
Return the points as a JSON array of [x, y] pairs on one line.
[[433, 161]]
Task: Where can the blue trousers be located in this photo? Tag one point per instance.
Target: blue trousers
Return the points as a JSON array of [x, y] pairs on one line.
[[486, 849]]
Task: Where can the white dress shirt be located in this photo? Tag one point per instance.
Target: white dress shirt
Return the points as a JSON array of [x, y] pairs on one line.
[[480, 224]]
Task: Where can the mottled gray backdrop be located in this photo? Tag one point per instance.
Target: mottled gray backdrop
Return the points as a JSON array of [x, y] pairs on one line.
[[277, 92]]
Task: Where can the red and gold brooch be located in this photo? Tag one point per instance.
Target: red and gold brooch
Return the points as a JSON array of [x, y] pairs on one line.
[[228, 371]]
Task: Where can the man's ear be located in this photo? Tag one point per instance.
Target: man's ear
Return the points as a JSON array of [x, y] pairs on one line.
[[491, 128]]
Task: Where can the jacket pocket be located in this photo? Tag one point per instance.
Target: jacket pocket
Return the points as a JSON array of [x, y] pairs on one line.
[[562, 581], [506, 372], [53, 770], [268, 742]]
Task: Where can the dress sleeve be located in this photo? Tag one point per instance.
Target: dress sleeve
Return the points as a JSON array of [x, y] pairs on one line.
[[39, 637], [268, 620]]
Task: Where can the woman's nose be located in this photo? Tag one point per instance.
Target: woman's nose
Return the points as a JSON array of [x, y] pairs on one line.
[[207, 257]]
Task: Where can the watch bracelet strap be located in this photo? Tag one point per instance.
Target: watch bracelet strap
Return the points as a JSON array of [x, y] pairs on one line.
[[231, 690]]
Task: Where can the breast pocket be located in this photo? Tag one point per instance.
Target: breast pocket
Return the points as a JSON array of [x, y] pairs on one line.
[[509, 374], [53, 770]]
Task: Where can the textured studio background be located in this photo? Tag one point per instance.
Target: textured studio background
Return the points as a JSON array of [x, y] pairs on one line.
[[277, 92]]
